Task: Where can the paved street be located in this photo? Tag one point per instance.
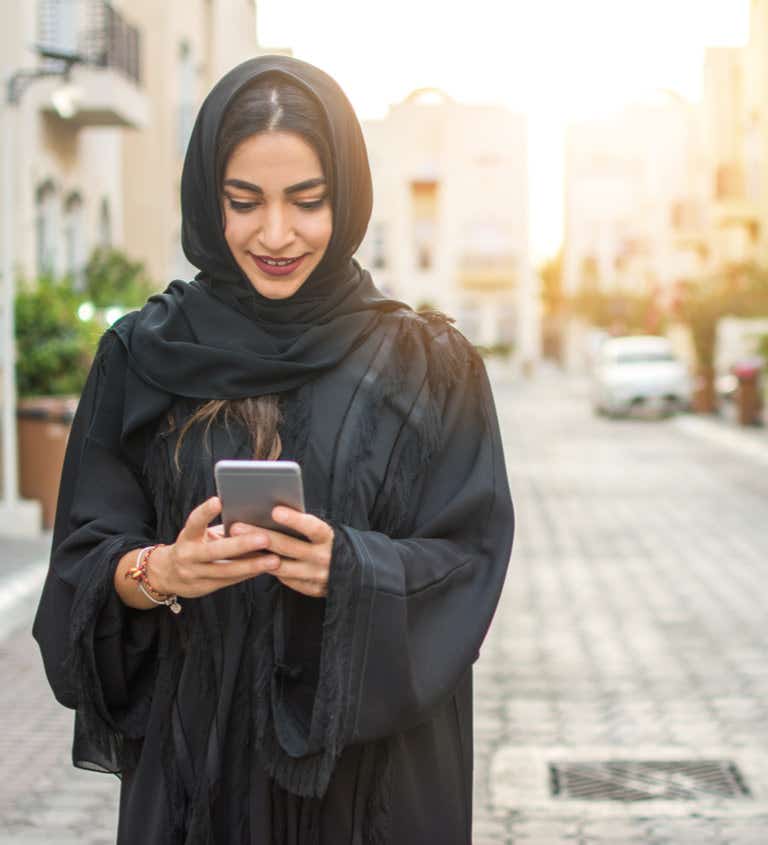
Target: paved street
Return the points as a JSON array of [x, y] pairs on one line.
[[633, 628], [633, 625]]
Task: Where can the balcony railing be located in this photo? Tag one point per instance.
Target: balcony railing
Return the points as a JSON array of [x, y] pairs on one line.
[[94, 30]]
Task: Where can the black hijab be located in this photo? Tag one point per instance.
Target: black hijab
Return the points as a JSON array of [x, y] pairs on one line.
[[217, 337]]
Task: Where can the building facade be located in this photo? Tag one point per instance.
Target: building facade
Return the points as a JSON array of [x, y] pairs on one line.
[[449, 227], [189, 45], [635, 199], [755, 127], [66, 135]]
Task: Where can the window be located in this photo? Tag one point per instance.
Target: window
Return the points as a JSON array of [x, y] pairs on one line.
[[105, 224], [424, 209], [46, 228], [58, 24], [379, 246], [74, 240], [186, 96]]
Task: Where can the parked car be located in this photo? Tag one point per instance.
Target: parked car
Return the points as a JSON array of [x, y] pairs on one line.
[[638, 373]]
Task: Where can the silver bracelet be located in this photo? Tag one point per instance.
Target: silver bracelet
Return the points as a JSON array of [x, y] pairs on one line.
[[172, 602]]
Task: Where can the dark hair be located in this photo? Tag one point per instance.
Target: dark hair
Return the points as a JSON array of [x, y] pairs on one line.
[[274, 103]]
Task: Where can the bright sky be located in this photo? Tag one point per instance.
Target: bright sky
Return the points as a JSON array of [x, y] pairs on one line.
[[554, 60]]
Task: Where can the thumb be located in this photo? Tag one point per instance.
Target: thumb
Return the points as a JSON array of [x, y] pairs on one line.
[[197, 521]]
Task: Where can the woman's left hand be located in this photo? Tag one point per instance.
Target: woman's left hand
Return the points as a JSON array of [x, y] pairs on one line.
[[304, 565]]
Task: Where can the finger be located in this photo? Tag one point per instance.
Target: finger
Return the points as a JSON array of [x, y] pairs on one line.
[[243, 528], [236, 570], [287, 546], [198, 519], [302, 570], [205, 586], [214, 532], [231, 547], [307, 588], [312, 527]]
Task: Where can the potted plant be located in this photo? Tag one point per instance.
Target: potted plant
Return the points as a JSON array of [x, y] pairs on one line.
[[54, 350], [57, 329]]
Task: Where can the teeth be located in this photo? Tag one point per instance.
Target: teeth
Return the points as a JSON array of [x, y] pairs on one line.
[[278, 263]]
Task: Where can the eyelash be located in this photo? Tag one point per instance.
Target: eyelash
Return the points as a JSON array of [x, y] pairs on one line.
[[244, 207]]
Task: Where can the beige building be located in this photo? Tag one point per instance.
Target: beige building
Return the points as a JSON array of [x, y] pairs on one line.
[[66, 135], [188, 46], [755, 126], [635, 198], [61, 183], [450, 217], [729, 133]]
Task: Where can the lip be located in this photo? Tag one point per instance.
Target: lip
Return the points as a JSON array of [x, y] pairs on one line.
[[271, 270]]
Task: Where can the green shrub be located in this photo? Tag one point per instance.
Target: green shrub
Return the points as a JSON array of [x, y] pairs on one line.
[[54, 348], [112, 279]]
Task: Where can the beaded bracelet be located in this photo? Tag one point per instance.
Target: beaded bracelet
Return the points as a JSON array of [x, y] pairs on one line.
[[140, 574]]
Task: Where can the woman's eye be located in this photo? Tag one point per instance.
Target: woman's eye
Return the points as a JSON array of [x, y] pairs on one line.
[[310, 204], [235, 205]]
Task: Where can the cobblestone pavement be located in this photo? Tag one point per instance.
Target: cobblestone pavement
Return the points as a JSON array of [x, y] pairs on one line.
[[633, 626]]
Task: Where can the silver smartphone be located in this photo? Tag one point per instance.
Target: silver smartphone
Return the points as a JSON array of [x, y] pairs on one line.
[[249, 490]]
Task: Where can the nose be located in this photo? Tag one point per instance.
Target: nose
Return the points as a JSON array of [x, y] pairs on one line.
[[276, 232]]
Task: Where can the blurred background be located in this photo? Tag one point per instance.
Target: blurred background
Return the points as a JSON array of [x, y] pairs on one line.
[[583, 186]]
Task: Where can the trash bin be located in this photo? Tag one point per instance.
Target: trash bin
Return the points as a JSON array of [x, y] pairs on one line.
[[43, 427], [749, 392]]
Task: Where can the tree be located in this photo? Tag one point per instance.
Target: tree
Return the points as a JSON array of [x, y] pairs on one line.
[[739, 291]]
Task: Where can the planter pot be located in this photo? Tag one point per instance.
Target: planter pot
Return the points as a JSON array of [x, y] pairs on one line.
[[43, 428]]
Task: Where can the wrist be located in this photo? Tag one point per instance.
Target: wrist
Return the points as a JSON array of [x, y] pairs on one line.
[[157, 570], [126, 587]]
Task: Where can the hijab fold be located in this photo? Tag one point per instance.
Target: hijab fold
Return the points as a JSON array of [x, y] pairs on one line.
[[217, 337]]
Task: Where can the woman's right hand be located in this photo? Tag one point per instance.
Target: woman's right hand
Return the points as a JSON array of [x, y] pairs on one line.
[[199, 562]]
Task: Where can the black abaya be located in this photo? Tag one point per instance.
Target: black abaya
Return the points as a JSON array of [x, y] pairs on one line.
[[260, 715]]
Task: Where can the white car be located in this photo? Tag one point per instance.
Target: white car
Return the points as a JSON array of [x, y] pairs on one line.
[[638, 373]]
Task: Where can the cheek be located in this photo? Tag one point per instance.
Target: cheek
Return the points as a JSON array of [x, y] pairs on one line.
[[319, 231], [233, 229]]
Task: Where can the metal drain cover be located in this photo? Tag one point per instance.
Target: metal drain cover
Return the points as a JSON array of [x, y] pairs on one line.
[[646, 780]]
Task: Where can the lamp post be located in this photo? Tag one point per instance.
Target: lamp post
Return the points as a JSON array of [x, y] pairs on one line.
[[16, 85]]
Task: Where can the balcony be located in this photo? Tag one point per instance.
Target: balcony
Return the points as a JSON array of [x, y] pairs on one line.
[[109, 84]]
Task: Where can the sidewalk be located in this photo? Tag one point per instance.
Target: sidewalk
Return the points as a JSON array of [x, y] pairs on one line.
[[748, 441], [631, 633], [23, 564]]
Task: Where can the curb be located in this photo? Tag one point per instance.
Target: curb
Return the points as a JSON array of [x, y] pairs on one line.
[[721, 435], [16, 595]]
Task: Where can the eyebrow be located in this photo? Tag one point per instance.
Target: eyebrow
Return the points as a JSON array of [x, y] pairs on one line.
[[291, 189]]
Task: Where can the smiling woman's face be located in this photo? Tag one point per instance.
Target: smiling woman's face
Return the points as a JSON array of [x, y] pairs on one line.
[[277, 213]]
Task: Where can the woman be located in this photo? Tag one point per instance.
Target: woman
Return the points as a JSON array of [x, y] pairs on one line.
[[307, 692]]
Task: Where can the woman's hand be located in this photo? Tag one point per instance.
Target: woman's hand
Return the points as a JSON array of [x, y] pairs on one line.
[[304, 565], [200, 561]]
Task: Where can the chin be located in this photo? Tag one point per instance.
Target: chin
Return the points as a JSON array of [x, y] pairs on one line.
[[276, 290]]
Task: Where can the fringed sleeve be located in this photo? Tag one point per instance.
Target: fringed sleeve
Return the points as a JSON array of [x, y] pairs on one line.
[[99, 655], [409, 604]]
